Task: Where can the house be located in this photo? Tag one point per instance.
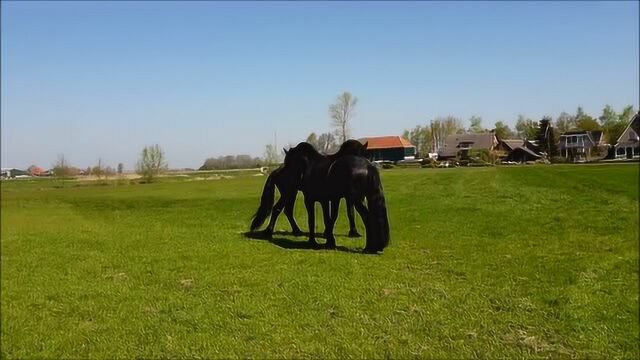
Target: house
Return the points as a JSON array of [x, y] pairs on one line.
[[580, 145], [628, 144], [518, 150], [459, 145], [36, 171], [389, 148], [13, 172]]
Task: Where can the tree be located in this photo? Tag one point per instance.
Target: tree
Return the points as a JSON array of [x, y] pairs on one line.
[[626, 114], [61, 168], [476, 125], [232, 162], [98, 170], [608, 116], [440, 129], [566, 122], [151, 163], [120, 168], [547, 139], [108, 172], [420, 137], [587, 123], [614, 124], [526, 128], [271, 155], [313, 140], [502, 130], [341, 113], [326, 143], [613, 132]]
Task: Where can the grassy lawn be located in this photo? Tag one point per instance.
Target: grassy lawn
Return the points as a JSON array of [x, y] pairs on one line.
[[488, 262]]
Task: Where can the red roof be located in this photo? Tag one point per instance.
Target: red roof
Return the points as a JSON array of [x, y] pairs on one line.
[[386, 142], [34, 170]]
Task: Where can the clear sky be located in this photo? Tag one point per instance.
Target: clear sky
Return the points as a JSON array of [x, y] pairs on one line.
[[102, 79]]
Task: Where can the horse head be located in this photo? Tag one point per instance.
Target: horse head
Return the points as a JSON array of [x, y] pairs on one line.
[[297, 158], [353, 147]]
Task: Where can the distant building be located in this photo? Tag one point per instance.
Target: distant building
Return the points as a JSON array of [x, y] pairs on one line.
[[36, 171], [459, 145], [628, 145], [13, 172], [389, 148], [518, 150], [580, 145]]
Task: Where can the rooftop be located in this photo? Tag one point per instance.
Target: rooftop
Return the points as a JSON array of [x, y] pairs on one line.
[[386, 142]]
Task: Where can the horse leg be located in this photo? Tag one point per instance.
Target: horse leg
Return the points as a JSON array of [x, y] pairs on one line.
[[353, 232], [330, 217], [309, 204], [275, 212], [288, 210], [364, 214]]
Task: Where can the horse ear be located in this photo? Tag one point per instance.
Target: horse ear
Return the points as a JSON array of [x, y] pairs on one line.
[[285, 151], [366, 144]]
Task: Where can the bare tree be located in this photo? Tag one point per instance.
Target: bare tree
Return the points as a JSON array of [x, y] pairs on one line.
[[441, 128], [271, 155], [98, 170], [566, 122], [341, 113], [61, 168], [151, 162], [313, 140], [108, 172], [120, 168], [326, 143]]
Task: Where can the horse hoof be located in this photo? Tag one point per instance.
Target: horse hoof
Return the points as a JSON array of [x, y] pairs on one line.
[[265, 234], [330, 246], [353, 234], [297, 233], [369, 251], [313, 242]]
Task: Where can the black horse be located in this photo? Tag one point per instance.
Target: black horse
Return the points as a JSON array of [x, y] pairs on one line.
[[326, 181], [288, 183]]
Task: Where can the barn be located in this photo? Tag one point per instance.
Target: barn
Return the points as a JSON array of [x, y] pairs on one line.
[[389, 148]]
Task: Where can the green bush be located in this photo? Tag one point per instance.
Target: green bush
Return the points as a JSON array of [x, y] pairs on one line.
[[559, 160], [483, 157]]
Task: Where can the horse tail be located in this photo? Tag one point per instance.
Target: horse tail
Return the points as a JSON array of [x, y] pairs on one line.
[[266, 202], [378, 219]]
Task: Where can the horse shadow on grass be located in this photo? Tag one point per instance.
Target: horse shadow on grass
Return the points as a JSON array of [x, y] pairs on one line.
[[278, 240]]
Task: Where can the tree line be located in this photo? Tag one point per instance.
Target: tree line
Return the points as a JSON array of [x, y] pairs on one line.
[[429, 138], [150, 164], [232, 162]]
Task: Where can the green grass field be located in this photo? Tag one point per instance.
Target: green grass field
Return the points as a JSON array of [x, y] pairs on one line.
[[538, 261]]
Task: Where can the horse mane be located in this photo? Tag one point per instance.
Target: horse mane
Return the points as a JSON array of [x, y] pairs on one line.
[[304, 148]]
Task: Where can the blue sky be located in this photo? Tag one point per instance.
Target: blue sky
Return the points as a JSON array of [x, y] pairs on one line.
[[102, 79]]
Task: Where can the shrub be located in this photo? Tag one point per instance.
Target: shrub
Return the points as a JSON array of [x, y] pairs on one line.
[[559, 160]]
